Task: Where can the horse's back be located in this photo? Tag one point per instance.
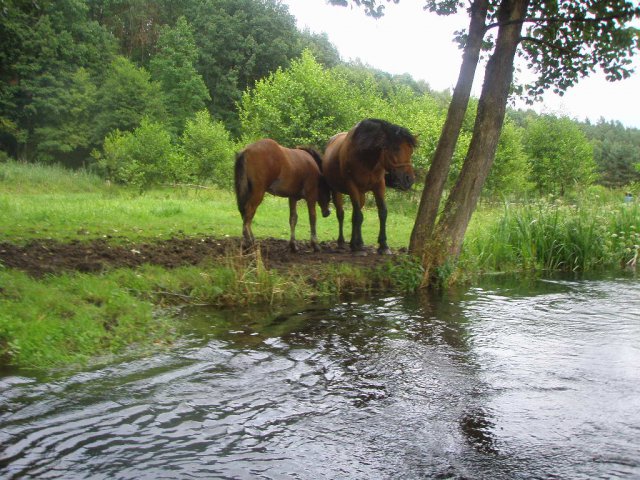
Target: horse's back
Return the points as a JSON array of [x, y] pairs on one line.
[[333, 146], [280, 170], [265, 151], [300, 172]]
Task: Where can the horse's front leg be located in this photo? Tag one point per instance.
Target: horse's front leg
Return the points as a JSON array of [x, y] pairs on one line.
[[356, 244], [311, 205], [293, 220], [383, 248]]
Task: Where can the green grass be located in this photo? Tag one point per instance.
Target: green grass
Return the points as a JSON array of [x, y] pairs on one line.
[[78, 206], [29, 178], [73, 318], [70, 318]]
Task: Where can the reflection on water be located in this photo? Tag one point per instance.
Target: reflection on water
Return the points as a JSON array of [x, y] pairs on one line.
[[511, 380]]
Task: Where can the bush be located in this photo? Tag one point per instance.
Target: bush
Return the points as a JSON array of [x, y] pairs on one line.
[[208, 151], [560, 155], [141, 158], [303, 105]]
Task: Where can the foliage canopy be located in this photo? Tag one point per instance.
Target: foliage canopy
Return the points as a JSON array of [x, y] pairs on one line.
[[74, 72]]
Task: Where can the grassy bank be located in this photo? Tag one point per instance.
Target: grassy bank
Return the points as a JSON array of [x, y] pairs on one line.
[[74, 317], [71, 318]]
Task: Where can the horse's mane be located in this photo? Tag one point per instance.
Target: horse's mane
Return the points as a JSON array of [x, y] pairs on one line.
[[373, 134], [315, 154]]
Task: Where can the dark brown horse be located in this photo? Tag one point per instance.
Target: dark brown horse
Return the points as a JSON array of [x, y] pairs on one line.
[[266, 166], [373, 155]]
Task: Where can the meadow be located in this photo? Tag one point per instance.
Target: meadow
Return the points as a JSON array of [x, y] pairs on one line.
[[73, 318]]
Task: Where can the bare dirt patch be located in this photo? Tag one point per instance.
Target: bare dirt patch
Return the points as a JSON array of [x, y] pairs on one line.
[[41, 257]]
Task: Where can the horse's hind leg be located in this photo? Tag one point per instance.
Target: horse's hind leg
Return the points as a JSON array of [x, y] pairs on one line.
[[247, 235], [311, 205], [249, 212], [293, 220], [338, 201]]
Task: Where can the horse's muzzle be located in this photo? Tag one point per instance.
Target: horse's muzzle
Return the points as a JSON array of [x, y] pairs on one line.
[[326, 212], [399, 180]]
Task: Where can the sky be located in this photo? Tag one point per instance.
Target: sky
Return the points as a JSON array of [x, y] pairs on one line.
[[409, 40]]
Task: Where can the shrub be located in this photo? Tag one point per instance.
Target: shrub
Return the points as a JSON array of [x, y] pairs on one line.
[[303, 105], [208, 150], [141, 158]]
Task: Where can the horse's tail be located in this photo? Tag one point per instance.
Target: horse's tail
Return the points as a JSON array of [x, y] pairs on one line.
[[242, 183], [314, 154]]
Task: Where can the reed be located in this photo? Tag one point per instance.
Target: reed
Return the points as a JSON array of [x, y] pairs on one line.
[[543, 235]]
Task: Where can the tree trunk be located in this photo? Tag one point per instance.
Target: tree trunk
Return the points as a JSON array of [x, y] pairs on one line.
[[438, 172], [449, 233]]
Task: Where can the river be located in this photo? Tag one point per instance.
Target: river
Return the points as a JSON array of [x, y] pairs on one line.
[[511, 379]]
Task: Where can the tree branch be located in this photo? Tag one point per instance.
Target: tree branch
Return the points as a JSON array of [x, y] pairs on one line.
[[562, 20], [566, 51]]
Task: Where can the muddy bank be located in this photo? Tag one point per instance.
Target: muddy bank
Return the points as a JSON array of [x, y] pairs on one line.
[[41, 257]]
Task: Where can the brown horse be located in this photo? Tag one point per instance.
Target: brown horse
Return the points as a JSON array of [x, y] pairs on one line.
[[373, 155], [266, 166]]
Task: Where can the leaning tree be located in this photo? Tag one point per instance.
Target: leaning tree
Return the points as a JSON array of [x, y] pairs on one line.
[[560, 42]]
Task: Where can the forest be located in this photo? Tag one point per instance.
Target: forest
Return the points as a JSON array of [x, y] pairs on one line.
[[153, 92]]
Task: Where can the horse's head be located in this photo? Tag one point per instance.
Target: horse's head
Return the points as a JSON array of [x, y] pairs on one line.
[[397, 164], [324, 196], [389, 145]]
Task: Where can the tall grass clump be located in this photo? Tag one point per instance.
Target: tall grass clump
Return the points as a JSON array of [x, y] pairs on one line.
[[545, 235], [27, 178], [236, 281]]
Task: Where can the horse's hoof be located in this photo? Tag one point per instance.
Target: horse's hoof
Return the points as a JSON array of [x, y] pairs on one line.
[[342, 246], [315, 247], [384, 251], [248, 247], [293, 247]]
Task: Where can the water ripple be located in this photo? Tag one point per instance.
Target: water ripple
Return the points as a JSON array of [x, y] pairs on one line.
[[492, 383]]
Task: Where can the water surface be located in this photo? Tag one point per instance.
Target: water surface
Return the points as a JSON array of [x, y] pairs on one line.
[[537, 379]]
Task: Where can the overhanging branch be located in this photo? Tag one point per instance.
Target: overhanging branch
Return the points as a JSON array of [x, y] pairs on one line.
[[581, 20], [552, 46]]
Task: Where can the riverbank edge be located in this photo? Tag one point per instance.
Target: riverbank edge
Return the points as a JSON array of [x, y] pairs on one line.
[[71, 319]]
